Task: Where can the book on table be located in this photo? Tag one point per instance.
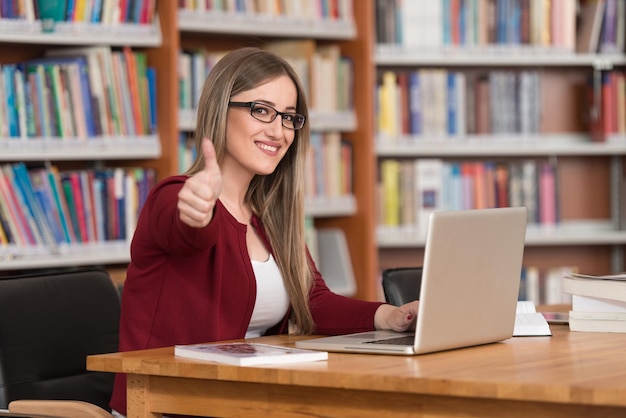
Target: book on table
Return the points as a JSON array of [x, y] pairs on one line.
[[598, 302], [612, 286], [529, 322], [248, 354]]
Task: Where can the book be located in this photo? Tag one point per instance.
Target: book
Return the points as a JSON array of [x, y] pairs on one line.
[[604, 286], [590, 25], [529, 322], [247, 354], [593, 304], [597, 321]]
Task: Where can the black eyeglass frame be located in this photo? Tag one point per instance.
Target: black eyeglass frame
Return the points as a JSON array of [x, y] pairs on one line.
[[282, 115]]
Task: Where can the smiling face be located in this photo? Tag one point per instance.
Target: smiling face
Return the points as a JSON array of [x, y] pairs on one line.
[[254, 147]]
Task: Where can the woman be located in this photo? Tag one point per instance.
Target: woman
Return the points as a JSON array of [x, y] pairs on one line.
[[219, 252]]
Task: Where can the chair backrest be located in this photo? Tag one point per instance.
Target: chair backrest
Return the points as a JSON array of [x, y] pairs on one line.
[[401, 285], [49, 324], [58, 408]]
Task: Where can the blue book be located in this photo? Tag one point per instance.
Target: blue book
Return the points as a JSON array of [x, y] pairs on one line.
[[96, 11], [35, 210], [44, 196], [451, 103], [61, 205], [151, 76], [103, 176], [8, 71], [415, 103]]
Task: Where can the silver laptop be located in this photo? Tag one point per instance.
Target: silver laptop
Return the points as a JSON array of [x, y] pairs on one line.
[[469, 289]]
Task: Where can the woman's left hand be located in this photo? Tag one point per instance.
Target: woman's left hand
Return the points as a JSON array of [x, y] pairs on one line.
[[396, 318]]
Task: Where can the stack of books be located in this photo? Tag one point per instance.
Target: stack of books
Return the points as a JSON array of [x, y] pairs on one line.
[[598, 302]]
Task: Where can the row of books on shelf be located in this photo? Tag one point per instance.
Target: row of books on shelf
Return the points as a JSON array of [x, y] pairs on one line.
[[435, 102], [543, 25], [325, 73], [77, 11], [410, 190], [43, 209], [328, 168], [82, 92], [294, 9], [598, 302], [544, 286]]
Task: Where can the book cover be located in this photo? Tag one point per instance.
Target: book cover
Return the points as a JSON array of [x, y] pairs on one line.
[[248, 354]]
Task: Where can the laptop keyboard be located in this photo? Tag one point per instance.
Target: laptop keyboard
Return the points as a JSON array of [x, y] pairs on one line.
[[404, 340]]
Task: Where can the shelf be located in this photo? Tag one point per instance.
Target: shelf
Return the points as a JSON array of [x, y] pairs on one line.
[[264, 25], [122, 148], [121, 34], [116, 252], [324, 206], [500, 145], [492, 57], [337, 121], [568, 233]]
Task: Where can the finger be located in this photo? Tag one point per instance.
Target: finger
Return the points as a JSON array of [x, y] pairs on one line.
[[210, 158]]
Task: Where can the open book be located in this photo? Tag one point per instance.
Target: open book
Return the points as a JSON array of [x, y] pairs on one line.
[[529, 322], [247, 354]]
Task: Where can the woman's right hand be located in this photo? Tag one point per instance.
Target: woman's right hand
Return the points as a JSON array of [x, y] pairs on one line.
[[197, 198]]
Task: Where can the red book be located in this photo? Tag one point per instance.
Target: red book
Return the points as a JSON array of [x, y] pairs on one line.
[[79, 202], [547, 194]]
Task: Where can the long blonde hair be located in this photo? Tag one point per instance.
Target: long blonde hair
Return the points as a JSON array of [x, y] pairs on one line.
[[278, 198]]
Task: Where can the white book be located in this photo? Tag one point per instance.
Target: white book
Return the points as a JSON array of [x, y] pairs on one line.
[[529, 322], [584, 323], [248, 354], [429, 187], [593, 304]]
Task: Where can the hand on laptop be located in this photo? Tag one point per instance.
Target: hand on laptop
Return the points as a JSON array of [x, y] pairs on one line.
[[396, 318]]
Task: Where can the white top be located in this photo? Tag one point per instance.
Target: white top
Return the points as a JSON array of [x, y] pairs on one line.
[[272, 301]]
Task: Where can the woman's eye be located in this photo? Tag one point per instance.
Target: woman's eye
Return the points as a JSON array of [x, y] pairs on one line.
[[261, 110]]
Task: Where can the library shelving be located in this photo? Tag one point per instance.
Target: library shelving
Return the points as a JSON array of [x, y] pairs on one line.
[[25, 38], [588, 233], [218, 30], [177, 29]]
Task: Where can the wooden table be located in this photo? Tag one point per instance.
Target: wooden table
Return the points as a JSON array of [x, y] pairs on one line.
[[567, 375]]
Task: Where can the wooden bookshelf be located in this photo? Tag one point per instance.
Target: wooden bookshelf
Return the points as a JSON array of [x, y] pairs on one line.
[[590, 233], [354, 215], [23, 40]]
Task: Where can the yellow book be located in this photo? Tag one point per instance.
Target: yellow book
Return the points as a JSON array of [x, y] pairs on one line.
[[390, 175], [387, 110]]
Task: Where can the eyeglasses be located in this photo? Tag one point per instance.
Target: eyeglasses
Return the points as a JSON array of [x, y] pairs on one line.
[[267, 114]]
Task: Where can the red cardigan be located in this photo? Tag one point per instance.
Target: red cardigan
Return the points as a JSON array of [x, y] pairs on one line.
[[188, 285]]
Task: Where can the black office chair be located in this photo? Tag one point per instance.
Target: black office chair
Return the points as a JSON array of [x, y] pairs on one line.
[[402, 285], [49, 324]]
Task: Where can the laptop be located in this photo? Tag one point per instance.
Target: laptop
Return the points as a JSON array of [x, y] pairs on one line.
[[469, 289]]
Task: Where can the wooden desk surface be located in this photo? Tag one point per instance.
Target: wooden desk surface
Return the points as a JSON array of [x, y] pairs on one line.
[[569, 368]]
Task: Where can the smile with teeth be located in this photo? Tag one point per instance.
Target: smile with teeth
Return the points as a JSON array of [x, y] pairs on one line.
[[267, 147]]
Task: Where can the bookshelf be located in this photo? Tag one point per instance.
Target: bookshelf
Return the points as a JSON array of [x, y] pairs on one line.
[[352, 214], [24, 39], [589, 232]]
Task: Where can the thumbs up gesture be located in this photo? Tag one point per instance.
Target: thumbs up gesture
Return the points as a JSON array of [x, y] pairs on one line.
[[196, 199]]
